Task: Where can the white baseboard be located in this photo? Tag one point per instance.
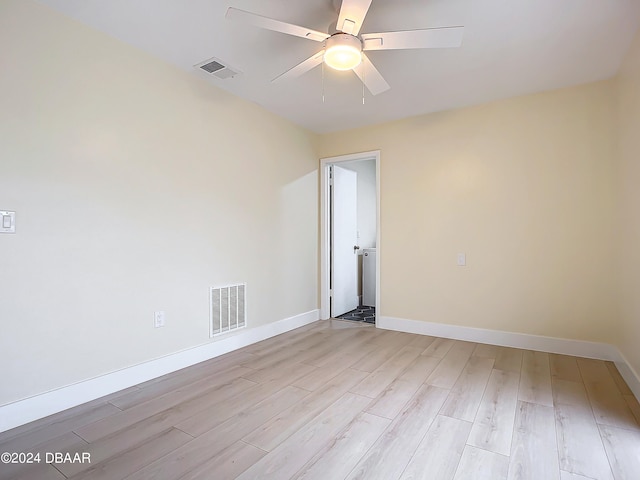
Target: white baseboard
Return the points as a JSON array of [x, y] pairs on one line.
[[579, 348], [565, 346], [630, 375], [24, 411]]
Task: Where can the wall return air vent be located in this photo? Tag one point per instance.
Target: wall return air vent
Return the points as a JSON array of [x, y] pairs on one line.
[[228, 308], [217, 68]]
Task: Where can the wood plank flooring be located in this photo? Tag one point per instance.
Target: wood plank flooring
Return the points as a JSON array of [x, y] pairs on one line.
[[343, 400]]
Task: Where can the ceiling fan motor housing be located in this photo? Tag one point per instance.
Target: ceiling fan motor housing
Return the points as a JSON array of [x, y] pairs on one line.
[[343, 51]]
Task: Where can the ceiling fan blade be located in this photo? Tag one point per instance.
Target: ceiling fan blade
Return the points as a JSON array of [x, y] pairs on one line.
[[275, 25], [303, 67], [444, 37], [352, 13], [371, 77]]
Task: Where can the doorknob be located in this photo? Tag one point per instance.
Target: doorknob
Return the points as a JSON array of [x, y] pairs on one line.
[[356, 248]]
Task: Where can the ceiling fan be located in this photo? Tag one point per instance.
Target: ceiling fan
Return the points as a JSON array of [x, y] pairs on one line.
[[344, 49]]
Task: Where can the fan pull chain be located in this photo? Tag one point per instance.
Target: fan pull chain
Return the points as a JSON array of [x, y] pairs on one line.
[[323, 81], [364, 79]]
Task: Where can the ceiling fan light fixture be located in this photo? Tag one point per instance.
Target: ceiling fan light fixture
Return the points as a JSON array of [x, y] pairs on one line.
[[343, 51]]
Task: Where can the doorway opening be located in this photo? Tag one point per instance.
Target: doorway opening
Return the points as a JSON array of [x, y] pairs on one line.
[[350, 237]]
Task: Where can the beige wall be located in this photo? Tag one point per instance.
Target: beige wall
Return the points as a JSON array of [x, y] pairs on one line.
[[136, 186], [524, 187], [628, 128]]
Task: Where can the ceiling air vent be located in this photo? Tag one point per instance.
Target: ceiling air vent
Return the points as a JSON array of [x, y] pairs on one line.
[[217, 68]]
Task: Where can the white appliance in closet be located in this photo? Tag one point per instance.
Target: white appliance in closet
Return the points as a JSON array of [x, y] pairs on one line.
[[369, 277]]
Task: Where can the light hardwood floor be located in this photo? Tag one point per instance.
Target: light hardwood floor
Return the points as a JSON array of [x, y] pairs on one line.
[[343, 400]]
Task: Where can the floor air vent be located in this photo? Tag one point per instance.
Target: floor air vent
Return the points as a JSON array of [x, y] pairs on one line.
[[228, 312], [217, 68]]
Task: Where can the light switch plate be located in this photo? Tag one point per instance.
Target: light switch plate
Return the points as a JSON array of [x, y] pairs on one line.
[[462, 259], [158, 319], [8, 221]]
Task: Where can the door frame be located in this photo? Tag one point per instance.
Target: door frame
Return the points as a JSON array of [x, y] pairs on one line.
[[325, 240]]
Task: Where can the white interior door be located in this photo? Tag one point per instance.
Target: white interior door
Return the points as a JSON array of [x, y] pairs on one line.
[[344, 237]]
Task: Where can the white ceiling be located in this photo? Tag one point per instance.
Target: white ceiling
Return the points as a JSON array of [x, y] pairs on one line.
[[510, 47]]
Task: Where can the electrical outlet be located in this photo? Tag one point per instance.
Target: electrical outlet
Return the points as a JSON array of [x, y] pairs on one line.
[[158, 319]]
